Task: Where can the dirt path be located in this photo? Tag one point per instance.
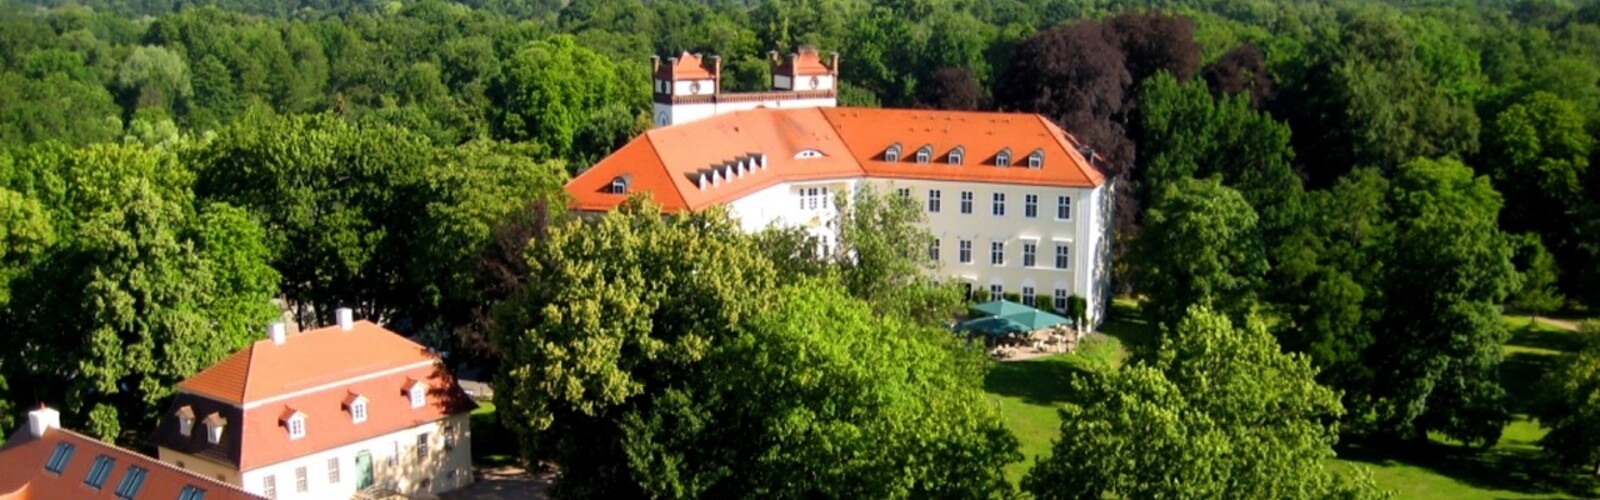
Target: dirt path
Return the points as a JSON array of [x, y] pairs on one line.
[[1558, 323]]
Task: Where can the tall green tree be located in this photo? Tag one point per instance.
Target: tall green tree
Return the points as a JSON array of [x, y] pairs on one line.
[[1200, 246], [1566, 404], [143, 292], [880, 260], [1438, 346], [656, 356], [1217, 411], [1537, 154], [549, 90]]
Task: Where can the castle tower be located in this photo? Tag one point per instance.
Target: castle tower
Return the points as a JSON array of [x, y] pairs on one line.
[[689, 87]]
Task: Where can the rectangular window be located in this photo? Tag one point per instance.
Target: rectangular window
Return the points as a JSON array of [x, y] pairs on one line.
[[904, 193], [1064, 208], [965, 254], [191, 493], [997, 253], [966, 202], [422, 447], [59, 457], [1062, 254], [131, 482], [358, 412], [297, 428], [996, 291], [933, 201], [933, 250], [99, 471], [1030, 206], [1061, 299], [269, 486], [999, 205], [1027, 295], [300, 481], [955, 157], [1029, 251], [333, 470]]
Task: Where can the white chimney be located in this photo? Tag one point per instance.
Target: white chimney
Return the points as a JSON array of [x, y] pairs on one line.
[[347, 318], [277, 332], [41, 419]]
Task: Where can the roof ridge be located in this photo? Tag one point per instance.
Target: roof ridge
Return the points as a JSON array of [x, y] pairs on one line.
[[158, 461], [833, 126], [249, 363], [1086, 167]]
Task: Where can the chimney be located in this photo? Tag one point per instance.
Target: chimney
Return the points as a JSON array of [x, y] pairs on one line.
[[772, 55], [716, 74], [833, 63], [277, 332], [41, 419], [346, 318], [655, 64]]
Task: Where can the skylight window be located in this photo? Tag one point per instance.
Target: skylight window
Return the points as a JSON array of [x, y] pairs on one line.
[[808, 154], [59, 457], [131, 482], [99, 471]]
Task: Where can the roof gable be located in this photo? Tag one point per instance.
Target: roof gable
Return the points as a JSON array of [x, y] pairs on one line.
[[265, 370]]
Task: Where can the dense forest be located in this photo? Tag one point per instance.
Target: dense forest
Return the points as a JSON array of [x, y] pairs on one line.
[[1368, 184]]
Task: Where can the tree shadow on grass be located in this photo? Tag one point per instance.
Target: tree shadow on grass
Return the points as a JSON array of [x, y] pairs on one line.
[[1535, 337], [1042, 381], [1520, 374], [1514, 466], [1127, 323]]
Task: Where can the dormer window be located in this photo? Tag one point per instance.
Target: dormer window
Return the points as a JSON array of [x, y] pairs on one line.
[[956, 154], [214, 425], [185, 420], [808, 154], [357, 405], [1003, 159], [619, 186], [296, 422], [892, 154], [418, 392], [924, 154], [1036, 159]]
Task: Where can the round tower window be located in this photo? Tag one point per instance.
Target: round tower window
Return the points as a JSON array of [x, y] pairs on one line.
[[694, 88], [815, 82]]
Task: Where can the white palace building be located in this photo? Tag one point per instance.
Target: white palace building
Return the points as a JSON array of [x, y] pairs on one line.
[[1014, 202]]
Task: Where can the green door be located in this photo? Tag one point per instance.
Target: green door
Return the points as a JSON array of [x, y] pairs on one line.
[[363, 470]]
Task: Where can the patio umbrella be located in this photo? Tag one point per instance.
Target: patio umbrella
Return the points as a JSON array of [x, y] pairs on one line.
[[998, 308], [992, 326]]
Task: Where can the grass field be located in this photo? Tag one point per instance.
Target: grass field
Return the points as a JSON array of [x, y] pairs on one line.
[[1029, 391]]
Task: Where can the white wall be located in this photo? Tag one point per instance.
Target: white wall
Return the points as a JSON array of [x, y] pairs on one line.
[[686, 87], [673, 114], [1084, 232], [441, 470]]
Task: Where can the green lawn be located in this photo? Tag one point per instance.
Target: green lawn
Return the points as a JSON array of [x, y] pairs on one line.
[[1029, 391], [492, 444]]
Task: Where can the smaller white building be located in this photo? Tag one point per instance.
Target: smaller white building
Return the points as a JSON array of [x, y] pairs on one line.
[[324, 414]]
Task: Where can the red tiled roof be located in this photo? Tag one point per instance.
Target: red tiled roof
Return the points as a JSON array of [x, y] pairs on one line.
[[686, 67], [265, 370], [23, 476], [314, 373], [665, 162]]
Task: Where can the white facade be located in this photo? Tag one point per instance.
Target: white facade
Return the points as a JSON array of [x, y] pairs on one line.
[[1083, 235], [673, 114], [391, 461]]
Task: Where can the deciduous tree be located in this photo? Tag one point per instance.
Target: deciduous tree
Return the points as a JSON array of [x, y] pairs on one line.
[[1200, 246]]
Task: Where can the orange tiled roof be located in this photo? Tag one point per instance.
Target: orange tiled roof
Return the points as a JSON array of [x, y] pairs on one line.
[[23, 476], [265, 370], [687, 67], [314, 373], [666, 162], [805, 62]]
